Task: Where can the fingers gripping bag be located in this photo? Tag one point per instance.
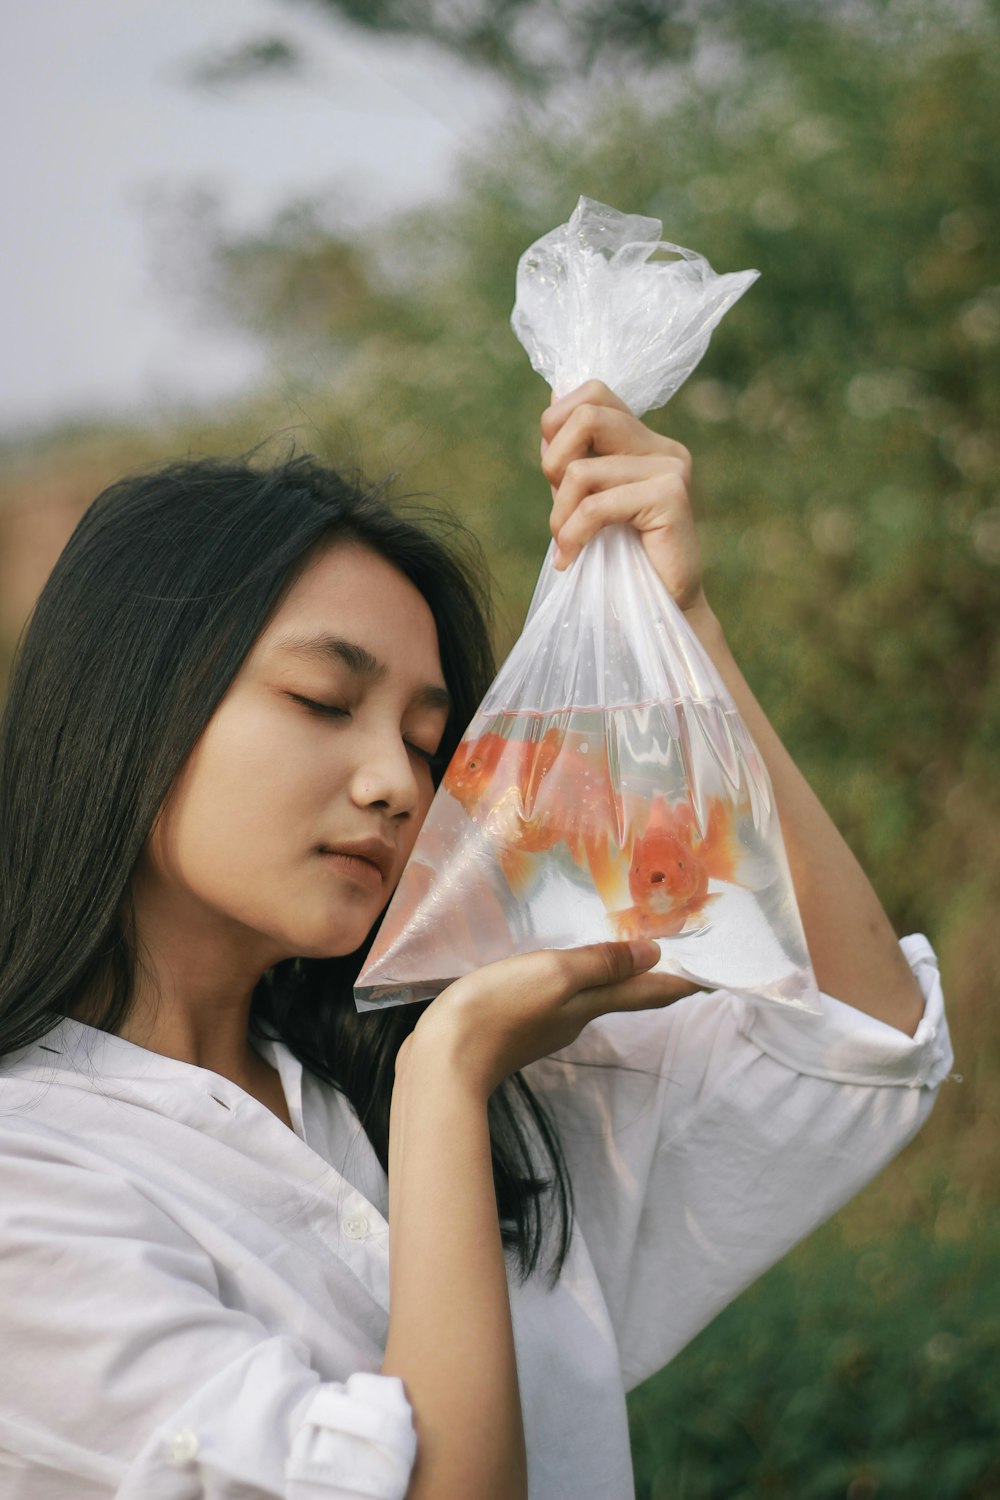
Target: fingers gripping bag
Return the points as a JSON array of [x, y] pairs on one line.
[[607, 786]]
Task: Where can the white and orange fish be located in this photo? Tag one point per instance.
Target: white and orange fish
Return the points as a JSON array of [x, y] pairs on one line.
[[672, 863]]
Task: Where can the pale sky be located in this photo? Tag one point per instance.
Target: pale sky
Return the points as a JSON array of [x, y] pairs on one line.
[[97, 117]]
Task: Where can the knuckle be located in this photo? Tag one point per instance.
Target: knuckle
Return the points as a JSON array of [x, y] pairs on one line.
[[611, 959], [550, 465], [586, 417]]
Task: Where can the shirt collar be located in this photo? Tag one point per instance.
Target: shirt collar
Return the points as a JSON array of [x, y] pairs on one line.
[[85, 1055]]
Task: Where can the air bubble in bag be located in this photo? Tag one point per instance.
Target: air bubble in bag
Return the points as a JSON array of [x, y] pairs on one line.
[[607, 786]]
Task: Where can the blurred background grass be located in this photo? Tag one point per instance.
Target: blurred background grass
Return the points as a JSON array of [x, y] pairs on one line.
[[847, 459]]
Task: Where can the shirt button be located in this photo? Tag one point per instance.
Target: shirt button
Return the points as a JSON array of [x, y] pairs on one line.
[[182, 1448], [355, 1226]]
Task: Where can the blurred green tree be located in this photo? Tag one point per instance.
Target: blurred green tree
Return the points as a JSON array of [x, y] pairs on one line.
[[533, 45]]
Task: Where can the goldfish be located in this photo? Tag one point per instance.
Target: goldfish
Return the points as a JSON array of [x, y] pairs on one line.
[[672, 863], [529, 795], [476, 764], [497, 780]]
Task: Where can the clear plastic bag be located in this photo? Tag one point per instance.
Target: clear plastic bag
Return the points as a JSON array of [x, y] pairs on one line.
[[607, 786]]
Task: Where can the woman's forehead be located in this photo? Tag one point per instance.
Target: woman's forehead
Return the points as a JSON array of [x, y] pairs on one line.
[[352, 604]]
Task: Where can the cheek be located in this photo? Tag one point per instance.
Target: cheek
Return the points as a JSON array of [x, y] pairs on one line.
[[248, 794]]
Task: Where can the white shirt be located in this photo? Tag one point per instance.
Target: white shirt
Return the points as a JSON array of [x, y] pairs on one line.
[[194, 1299]]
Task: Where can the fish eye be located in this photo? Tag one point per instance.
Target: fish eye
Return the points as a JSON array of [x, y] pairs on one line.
[[473, 764]]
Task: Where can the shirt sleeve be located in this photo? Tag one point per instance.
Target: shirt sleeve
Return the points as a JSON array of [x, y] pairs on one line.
[[705, 1140], [124, 1373]]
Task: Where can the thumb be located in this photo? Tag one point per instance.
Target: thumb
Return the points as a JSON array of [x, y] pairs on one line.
[[643, 952], [610, 963]]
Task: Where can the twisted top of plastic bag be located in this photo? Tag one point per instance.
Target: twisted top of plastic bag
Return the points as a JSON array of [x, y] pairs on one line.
[[593, 304]]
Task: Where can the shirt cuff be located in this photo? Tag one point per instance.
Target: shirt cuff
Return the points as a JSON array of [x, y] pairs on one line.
[[354, 1440], [265, 1426], [848, 1046]]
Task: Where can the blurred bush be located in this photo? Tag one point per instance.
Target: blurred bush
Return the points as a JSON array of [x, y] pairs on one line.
[[840, 1376]]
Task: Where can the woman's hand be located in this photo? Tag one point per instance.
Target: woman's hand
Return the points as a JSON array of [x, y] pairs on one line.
[[495, 1021], [605, 466]]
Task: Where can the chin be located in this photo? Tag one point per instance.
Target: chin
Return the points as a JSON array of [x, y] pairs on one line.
[[338, 945], [327, 930]]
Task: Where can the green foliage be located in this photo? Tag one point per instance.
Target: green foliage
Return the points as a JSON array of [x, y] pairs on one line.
[[863, 1375], [532, 44]]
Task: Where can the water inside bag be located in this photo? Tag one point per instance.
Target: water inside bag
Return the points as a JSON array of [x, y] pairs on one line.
[[587, 821]]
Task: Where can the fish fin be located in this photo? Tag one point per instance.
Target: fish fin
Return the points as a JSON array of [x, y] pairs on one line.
[[540, 757], [608, 866], [675, 923], [628, 924], [635, 922], [639, 921], [551, 742], [574, 844], [519, 870], [720, 851]]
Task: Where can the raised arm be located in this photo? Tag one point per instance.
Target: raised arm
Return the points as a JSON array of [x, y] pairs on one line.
[[605, 466]]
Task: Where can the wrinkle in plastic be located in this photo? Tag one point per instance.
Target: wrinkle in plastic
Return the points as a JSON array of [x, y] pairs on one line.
[[607, 786]]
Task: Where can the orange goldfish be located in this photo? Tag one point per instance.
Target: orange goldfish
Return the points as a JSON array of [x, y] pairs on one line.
[[492, 774], [530, 794], [497, 781], [477, 763], [672, 863]]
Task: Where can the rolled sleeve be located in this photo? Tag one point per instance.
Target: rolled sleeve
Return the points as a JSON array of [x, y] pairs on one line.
[[354, 1439], [245, 1435], [848, 1046], [126, 1374], [707, 1139]]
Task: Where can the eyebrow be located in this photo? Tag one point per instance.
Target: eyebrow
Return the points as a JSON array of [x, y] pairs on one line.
[[361, 663]]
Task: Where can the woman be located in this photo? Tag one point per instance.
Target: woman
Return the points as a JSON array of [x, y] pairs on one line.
[[223, 733]]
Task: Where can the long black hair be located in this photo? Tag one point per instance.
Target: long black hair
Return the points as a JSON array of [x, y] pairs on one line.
[[148, 615]]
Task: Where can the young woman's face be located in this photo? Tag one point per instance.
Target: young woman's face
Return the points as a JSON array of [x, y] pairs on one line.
[[291, 821]]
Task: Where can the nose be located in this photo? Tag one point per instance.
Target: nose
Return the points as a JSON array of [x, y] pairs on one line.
[[384, 777]]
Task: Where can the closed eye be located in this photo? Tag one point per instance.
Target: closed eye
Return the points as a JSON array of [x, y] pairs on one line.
[[331, 711]]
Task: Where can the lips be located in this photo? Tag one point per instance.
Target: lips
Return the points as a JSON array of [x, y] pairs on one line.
[[373, 851]]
